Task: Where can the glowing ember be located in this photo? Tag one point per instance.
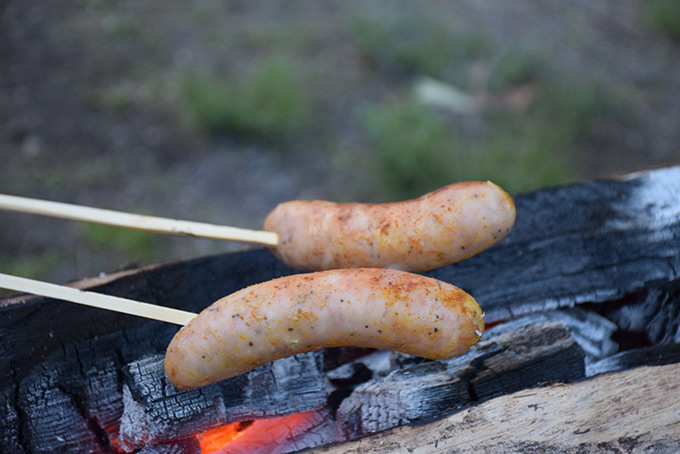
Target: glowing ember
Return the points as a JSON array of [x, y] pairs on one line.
[[262, 436], [212, 440], [112, 434]]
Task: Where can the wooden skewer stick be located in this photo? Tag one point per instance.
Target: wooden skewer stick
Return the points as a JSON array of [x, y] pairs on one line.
[[111, 303], [135, 221]]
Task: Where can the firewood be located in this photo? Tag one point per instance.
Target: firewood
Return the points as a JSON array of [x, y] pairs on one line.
[[155, 412], [435, 388], [630, 411], [657, 355], [592, 331], [33, 328], [286, 434], [72, 402], [592, 242], [185, 446], [655, 314], [513, 356]]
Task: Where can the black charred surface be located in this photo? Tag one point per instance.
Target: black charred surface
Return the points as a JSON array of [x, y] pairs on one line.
[[154, 411], [186, 446], [534, 353], [654, 314], [11, 435], [657, 355], [72, 402], [590, 242], [517, 355]]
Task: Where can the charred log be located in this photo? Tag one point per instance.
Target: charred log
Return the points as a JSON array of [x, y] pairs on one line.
[[513, 356], [657, 355], [289, 434], [155, 412], [630, 411], [656, 314], [184, 446], [592, 242], [73, 401]]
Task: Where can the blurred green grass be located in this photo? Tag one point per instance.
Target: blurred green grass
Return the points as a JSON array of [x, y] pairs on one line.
[[273, 103], [413, 41], [665, 15], [133, 245], [416, 148], [32, 265]]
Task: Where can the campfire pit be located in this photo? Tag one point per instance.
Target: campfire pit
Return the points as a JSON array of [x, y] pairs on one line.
[[587, 282]]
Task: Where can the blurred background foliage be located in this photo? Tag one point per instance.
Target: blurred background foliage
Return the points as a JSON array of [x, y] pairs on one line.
[[218, 110]]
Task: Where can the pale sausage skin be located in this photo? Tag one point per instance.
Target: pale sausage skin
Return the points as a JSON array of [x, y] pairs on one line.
[[377, 308], [436, 229]]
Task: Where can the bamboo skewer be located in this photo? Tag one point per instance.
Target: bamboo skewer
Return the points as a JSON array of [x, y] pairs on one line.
[[136, 221], [111, 303]]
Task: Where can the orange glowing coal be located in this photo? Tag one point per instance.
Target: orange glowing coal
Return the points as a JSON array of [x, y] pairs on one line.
[[213, 440], [260, 436]]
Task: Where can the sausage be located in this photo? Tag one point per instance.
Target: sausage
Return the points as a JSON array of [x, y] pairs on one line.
[[376, 308], [436, 229]]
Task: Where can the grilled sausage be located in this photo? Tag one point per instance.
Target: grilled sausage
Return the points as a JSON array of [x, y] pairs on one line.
[[378, 308], [437, 229]]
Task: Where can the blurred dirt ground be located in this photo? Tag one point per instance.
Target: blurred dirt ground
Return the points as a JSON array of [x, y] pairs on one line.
[[91, 108]]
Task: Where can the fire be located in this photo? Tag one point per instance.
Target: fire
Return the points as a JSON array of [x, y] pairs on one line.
[[262, 435], [213, 440]]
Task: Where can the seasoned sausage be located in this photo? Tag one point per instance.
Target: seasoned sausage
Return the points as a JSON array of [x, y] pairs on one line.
[[436, 229], [378, 308]]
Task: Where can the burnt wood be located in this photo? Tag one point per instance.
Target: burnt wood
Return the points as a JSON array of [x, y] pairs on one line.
[[633, 411], [657, 355], [155, 412], [609, 242], [80, 388], [185, 446], [591, 242], [516, 355], [276, 436], [655, 313]]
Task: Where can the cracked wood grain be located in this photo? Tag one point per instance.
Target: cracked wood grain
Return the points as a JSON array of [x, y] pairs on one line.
[[628, 411]]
